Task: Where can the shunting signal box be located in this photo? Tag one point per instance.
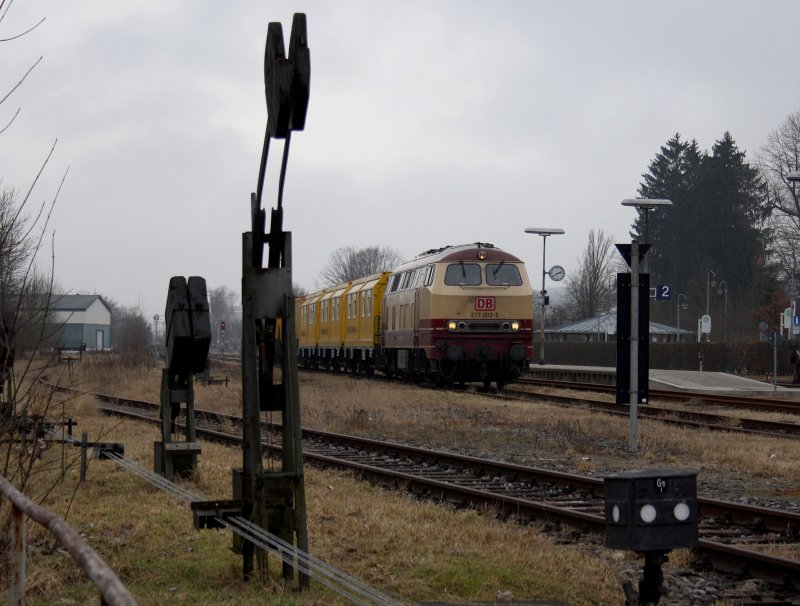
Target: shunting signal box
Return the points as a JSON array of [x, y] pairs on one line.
[[188, 340], [651, 510], [188, 325]]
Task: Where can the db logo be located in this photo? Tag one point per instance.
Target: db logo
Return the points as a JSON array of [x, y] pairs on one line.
[[484, 303]]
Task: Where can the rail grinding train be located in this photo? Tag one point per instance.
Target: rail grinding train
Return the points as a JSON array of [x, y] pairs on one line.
[[456, 314]]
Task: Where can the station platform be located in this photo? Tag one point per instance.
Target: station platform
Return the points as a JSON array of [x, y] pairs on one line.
[[666, 380]]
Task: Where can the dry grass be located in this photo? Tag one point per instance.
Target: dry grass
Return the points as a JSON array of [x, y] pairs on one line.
[[536, 434], [417, 550]]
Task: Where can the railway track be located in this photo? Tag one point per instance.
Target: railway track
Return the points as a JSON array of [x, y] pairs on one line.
[[720, 400], [736, 537], [672, 415]]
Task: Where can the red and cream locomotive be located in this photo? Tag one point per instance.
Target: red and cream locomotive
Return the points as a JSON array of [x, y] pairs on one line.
[[456, 314]]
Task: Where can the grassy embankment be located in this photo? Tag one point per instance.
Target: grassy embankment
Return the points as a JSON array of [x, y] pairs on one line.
[[419, 551]]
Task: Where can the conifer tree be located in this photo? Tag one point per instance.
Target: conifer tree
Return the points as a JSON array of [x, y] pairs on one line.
[[715, 230]]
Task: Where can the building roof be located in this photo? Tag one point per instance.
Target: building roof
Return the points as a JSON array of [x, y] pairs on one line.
[[75, 302], [607, 323]]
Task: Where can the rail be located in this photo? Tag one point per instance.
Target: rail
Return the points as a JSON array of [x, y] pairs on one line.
[[112, 591]]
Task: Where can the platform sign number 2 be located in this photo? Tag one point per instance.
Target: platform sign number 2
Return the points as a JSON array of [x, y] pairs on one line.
[[663, 292]]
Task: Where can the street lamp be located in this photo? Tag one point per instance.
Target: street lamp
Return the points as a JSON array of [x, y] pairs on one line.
[[681, 306], [645, 204], [709, 284], [633, 361], [723, 288], [544, 232]]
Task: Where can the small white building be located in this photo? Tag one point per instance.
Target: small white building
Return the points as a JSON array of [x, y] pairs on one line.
[[80, 322]]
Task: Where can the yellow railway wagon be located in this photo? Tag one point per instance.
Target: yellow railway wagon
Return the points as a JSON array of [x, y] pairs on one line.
[[339, 328], [307, 321], [331, 327], [363, 318]]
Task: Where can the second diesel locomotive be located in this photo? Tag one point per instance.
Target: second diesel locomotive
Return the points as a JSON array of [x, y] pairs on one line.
[[452, 315]]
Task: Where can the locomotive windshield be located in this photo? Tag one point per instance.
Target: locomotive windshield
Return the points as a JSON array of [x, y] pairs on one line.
[[463, 274], [502, 275], [469, 274]]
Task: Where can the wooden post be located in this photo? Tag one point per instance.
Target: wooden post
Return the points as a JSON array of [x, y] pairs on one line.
[[17, 588]]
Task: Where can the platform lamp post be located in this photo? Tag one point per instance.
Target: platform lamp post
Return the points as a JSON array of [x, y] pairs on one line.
[[723, 290], [680, 307], [544, 232], [709, 284], [646, 205]]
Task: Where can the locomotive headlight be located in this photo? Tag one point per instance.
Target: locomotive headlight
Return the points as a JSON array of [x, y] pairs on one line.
[[515, 325], [451, 325]]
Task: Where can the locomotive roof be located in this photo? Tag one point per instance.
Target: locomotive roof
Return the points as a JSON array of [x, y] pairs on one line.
[[461, 252]]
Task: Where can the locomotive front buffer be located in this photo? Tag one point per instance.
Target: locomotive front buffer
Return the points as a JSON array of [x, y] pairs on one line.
[[650, 512]]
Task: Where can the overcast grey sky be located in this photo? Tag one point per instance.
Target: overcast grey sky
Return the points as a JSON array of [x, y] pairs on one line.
[[430, 123]]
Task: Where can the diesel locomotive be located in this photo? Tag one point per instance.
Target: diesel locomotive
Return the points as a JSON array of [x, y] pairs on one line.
[[456, 314]]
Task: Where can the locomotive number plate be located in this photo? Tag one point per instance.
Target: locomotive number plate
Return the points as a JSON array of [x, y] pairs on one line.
[[484, 304]]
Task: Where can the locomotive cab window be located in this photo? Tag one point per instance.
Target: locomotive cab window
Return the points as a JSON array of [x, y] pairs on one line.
[[463, 274], [429, 275], [502, 274]]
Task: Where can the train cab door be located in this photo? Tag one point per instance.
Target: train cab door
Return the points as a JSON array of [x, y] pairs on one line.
[[415, 317]]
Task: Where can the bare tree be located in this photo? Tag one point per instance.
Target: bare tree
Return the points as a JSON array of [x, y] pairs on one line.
[[131, 336], [349, 263], [225, 311], [589, 288], [778, 157], [25, 294]]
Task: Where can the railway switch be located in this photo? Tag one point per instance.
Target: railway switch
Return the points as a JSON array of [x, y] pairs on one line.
[[651, 512]]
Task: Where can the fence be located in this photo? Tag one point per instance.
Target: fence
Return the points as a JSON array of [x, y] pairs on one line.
[[112, 591]]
